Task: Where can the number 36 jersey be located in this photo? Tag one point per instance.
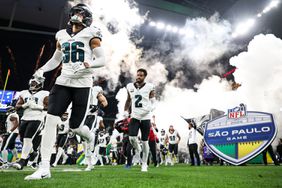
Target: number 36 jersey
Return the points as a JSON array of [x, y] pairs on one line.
[[140, 100], [76, 49]]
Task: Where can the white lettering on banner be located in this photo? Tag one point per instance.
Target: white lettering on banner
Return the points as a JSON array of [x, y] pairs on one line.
[[239, 132], [236, 138]]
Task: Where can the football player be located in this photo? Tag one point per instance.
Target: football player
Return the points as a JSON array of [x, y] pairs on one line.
[[62, 137], [122, 127], [141, 99], [163, 146], [79, 49], [93, 120], [12, 131], [33, 101], [172, 138], [103, 140]]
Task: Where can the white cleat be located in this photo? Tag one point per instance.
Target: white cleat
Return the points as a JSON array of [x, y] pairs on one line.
[[65, 157], [41, 173], [89, 168], [144, 168]]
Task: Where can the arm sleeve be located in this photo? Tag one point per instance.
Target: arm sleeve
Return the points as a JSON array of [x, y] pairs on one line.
[[99, 60], [54, 62]]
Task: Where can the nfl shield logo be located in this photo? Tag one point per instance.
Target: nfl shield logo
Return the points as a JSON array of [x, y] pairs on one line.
[[237, 140]]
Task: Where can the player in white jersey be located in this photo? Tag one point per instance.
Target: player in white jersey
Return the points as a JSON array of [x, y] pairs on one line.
[[62, 137], [12, 131], [103, 140], [141, 99], [173, 138], [93, 120], [163, 146], [79, 49], [33, 102]]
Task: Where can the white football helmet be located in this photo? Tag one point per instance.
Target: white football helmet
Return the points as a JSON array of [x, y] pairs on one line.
[[36, 83]]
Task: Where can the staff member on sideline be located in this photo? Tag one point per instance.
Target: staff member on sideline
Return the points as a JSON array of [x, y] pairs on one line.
[[192, 144]]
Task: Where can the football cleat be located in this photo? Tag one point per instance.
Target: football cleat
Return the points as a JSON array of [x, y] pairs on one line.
[[20, 164], [89, 168], [41, 173], [65, 158], [144, 168]]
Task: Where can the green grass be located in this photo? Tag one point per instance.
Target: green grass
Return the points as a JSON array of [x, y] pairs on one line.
[[165, 177]]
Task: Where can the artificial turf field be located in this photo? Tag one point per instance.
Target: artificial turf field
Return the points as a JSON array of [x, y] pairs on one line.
[[176, 176]]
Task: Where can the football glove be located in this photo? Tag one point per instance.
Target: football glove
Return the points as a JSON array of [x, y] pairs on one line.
[[77, 67], [94, 108]]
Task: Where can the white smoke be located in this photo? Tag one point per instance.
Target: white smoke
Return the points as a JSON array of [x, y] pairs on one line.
[[259, 71], [259, 68]]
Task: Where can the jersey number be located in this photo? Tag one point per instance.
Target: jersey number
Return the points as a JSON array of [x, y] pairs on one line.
[[138, 103], [172, 138], [73, 52]]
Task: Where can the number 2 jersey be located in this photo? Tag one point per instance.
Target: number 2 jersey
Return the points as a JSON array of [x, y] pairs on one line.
[[76, 49], [140, 100], [38, 97]]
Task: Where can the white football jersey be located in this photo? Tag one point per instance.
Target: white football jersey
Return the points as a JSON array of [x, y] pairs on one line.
[[172, 137], [9, 124], [102, 140], [140, 101], [63, 127], [162, 139], [38, 98], [76, 48]]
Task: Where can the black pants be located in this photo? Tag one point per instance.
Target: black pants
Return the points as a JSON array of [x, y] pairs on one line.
[[62, 140], [9, 141], [143, 125], [60, 98], [269, 149], [127, 150], [90, 122], [29, 129], [152, 145], [193, 151]]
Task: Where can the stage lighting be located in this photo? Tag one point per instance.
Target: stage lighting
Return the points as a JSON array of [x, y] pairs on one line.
[[273, 4], [243, 27], [174, 29], [160, 25], [168, 28], [181, 31], [259, 15], [152, 24]]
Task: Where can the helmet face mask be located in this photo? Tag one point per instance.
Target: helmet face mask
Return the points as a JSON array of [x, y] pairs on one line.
[[64, 117], [35, 84], [80, 14]]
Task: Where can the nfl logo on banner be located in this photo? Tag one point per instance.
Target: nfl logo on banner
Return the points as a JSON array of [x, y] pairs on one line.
[[240, 135]]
